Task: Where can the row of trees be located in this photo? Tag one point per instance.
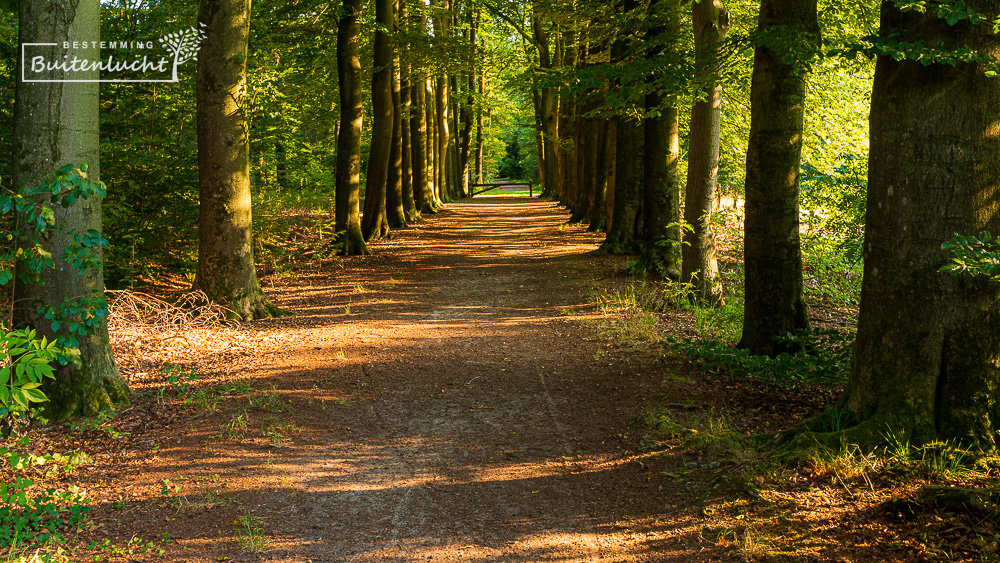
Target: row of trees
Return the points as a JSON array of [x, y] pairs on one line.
[[608, 143], [425, 110], [607, 86], [56, 124]]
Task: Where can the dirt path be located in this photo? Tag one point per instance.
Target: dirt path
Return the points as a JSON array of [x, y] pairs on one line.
[[482, 425], [444, 401]]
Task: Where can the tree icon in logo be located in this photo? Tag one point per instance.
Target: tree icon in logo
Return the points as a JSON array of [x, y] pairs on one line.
[[184, 45]]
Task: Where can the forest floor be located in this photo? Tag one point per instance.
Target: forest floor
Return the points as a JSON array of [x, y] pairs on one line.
[[458, 396]]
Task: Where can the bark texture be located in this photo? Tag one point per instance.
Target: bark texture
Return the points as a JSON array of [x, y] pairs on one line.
[[374, 223], [925, 363], [772, 257], [661, 244], [394, 209], [626, 216], [226, 271], [418, 146], [699, 265], [57, 124], [347, 210]]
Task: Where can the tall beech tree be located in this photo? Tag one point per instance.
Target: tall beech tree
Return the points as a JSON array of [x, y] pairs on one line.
[[410, 211], [56, 123], [418, 145], [774, 304], [925, 361], [394, 208], [226, 271], [699, 265], [661, 140], [624, 226], [375, 224], [348, 178]]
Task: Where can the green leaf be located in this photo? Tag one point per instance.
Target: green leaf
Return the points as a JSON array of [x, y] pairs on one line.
[[34, 395]]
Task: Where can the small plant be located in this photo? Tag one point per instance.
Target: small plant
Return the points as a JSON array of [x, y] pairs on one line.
[[846, 463], [26, 361], [941, 460], [249, 536], [836, 419], [204, 401], [177, 378], [167, 488], [278, 432], [35, 516], [237, 425], [102, 423], [270, 402]]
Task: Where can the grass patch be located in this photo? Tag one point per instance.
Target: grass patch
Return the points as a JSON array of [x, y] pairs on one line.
[[249, 536]]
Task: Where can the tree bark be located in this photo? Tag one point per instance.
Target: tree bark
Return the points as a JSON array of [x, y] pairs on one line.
[[348, 175], [925, 359], [395, 215], [443, 137], [625, 231], [56, 123], [281, 165], [699, 265], [418, 147], [598, 200], [433, 180], [479, 126], [661, 139], [465, 150], [410, 210], [454, 182], [774, 304], [409, 203], [226, 271], [610, 159], [374, 223]]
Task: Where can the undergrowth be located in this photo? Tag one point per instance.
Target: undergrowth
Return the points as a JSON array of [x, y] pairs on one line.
[[825, 358]]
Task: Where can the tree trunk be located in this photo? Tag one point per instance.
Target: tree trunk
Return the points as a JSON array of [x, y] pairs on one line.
[[700, 267], [348, 175], [418, 147], [610, 159], [454, 181], [625, 231], [925, 361], [56, 123], [395, 215], [661, 139], [467, 122], [443, 137], [374, 224], [433, 179], [281, 165], [479, 127], [598, 200], [226, 271], [410, 212], [661, 190], [772, 257]]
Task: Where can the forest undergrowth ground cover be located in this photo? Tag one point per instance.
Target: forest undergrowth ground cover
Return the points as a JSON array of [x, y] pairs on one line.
[[482, 388]]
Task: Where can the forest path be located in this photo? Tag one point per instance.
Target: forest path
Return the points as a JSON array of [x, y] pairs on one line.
[[483, 424], [442, 399]]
